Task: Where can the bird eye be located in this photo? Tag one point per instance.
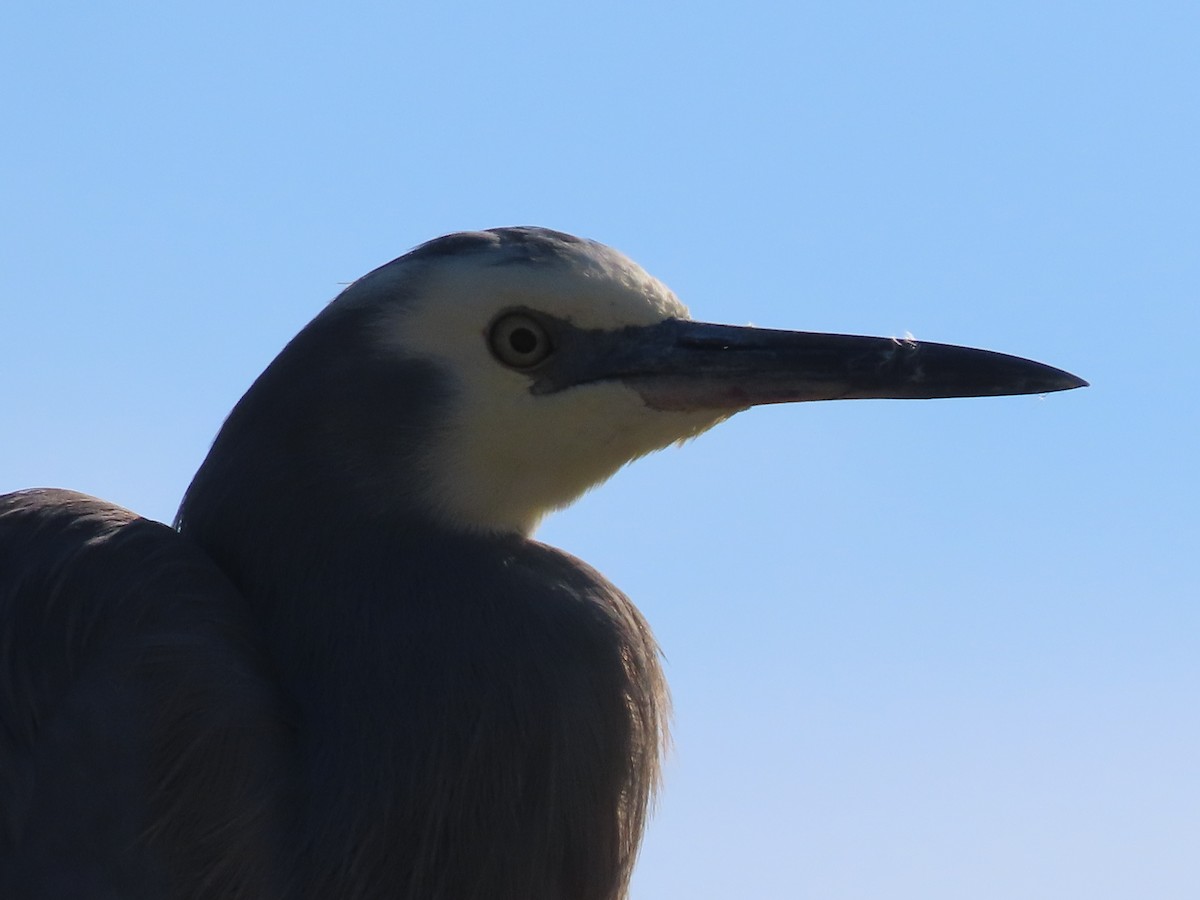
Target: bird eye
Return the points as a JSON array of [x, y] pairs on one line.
[[519, 340]]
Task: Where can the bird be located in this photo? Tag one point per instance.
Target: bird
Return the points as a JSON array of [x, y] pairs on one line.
[[347, 669]]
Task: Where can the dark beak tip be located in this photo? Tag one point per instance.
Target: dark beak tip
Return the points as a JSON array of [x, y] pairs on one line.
[[1068, 382]]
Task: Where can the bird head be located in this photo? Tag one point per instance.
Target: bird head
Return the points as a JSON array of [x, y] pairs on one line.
[[487, 378], [521, 325], [562, 360]]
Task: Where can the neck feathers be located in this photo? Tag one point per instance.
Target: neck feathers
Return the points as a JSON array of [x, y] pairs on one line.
[[477, 717]]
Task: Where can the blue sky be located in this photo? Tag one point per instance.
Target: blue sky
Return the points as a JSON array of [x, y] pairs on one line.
[[923, 650]]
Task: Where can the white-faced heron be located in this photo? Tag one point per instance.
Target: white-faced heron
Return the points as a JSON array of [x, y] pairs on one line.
[[348, 671]]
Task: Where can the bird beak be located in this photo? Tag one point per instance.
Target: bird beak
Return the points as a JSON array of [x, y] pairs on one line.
[[683, 365]]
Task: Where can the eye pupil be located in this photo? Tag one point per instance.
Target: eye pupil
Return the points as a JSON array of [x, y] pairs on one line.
[[523, 341]]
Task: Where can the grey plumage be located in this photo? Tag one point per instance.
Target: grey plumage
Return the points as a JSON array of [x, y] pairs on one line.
[[142, 735]]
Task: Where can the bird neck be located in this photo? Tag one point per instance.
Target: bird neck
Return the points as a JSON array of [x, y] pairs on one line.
[[475, 715]]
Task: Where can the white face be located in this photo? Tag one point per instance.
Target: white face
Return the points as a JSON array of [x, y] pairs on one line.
[[503, 457]]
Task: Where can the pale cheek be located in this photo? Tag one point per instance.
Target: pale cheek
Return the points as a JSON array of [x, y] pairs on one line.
[[513, 457]]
